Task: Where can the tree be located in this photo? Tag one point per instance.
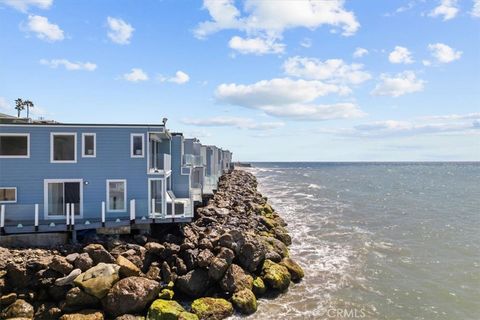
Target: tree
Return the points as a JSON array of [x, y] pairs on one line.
[[19, 106], [28, 104]]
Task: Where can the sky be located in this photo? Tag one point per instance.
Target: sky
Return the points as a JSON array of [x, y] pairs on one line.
[[270, 80]]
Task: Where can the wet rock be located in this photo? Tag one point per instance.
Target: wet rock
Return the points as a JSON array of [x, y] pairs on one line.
[[77, 299], [131, 295], [296, 272], [212, 308], [273, 256], [83, 262], [244, 301], [60, 264], [98, 253], [194, 283], [98, 280], [259, 288], [276, 276], [251, 256], [164, 310], [127, 268], [84, 315], [68, 280], [19, 309], [236, 279]]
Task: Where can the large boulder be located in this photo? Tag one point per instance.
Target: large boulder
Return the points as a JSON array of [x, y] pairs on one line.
[[127, 268], [98, 253], [236, 279], [259, 288], [77, 299], [84, 315], [98, 280], [204, 258], [155, 248], [275, 275], [244, 301], [60, 264], [164, 310], [187, 316], [194, 283], [131, 295], [217, 268], [251, 256], [212, 308], [296, 272], [18, 309], [83, 262]]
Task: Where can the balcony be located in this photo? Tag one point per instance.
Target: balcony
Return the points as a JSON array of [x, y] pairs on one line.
[[161, 163], [193, 160]]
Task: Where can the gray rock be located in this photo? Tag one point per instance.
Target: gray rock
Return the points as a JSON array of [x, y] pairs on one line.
[[68, 280]]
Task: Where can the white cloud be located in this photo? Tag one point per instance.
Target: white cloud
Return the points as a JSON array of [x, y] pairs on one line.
[[44, 29], [400, 55], [448, 9], [476, 9], [287, 98], [444, 53], [69, 65], [179, 78], [135, 75], [279, 91], [360, 52], [256, 45], [24, 5], [269, 19], [331, 70], [443, 124], [398, 85], [427, 63], [237, 122], [119, 31]]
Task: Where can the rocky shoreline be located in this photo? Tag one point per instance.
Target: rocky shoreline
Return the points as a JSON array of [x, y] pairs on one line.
[[235, 251]]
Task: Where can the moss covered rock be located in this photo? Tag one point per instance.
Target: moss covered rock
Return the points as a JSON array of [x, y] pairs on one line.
[[187, 316], [164, 310], [296, 272], [212, 308], [275, 275], [166, 294], [259, 287], [244, 301]]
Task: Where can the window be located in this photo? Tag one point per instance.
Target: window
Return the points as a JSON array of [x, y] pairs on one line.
[[116, 195], [89, 145], [136, 145], [63, 147], [14, 145], [8, 195]]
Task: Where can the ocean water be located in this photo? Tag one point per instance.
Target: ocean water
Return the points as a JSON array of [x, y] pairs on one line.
[[378, 240]]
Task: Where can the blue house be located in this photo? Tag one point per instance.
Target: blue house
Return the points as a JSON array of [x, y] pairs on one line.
[[56, 176], [195, 160]]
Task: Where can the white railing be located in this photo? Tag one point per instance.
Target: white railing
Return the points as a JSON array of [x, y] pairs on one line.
[[167, 162], [193, 160]]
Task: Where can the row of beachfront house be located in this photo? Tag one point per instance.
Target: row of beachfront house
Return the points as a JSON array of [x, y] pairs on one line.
[[58, 176]]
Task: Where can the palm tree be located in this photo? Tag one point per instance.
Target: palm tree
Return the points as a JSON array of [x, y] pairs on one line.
[[28, 104], [19, 106]]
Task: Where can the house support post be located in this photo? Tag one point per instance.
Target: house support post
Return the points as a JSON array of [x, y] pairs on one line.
[[103, 214], [2, 219], [132, 212], [67, 216], [36, 217]]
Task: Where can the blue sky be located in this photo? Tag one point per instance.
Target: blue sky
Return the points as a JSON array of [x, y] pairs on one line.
[[286, 80]]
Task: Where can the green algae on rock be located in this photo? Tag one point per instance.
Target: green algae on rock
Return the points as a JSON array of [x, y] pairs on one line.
[[244, 301], [164, 310], [275, 275], [212, 308]]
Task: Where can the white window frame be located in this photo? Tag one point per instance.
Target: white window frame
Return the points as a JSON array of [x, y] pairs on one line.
[[16, 195], [18, 135], [85, 134], [46, 216], [132, 136], [52, 136], [124, 195]]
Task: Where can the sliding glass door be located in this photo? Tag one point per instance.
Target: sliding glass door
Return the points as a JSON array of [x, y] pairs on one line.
[[60, 193]]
